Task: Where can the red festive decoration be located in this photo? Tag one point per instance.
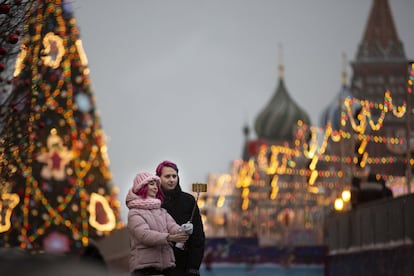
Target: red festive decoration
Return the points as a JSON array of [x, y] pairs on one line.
[[4, 9], [13, 38]]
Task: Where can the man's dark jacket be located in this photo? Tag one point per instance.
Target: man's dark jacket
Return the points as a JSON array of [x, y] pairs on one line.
[[180, 206]]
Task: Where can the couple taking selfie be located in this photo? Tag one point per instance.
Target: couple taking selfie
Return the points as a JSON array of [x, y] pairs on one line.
[[164, 225]]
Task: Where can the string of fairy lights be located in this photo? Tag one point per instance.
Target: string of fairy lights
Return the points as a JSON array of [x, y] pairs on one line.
[[62, 92], [279, 160]]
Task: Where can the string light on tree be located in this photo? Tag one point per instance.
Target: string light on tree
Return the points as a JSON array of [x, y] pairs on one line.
[[61, 192]]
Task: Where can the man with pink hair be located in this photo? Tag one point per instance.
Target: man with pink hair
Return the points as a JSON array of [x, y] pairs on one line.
[[183, 208]]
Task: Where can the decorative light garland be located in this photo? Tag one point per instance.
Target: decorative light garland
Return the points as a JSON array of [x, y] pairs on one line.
[[57, 54], [273, 160]]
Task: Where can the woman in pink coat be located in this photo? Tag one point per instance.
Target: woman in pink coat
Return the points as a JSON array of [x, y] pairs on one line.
[[152, 230]]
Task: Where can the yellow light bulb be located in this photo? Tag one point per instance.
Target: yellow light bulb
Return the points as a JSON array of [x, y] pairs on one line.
[[346, 195], [339, 204]]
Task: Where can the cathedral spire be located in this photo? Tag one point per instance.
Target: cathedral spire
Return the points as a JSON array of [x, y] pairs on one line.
[[381, 66], [380, 26], [380, 40]]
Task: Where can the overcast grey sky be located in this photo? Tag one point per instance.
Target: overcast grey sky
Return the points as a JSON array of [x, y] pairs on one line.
[[179, 79]]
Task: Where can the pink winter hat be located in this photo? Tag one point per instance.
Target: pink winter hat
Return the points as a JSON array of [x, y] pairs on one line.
[[142, 179]]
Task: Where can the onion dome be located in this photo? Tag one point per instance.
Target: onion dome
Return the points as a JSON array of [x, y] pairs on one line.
[[332, 112], [278, 120]]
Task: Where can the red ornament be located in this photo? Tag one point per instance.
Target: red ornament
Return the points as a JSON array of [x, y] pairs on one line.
[[13, 38], [3, 51], [72, 181], [53, 78], [1, 67], [4, 9]]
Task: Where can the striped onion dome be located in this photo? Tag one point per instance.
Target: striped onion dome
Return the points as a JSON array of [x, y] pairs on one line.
[[278, 120]]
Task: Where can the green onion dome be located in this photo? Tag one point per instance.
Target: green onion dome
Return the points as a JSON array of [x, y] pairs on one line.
[[279, 119]]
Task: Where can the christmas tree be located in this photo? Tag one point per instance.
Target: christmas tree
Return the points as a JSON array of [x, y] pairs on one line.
[[55, 183]]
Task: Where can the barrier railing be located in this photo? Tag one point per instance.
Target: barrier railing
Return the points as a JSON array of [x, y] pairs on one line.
[[382, 223]]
